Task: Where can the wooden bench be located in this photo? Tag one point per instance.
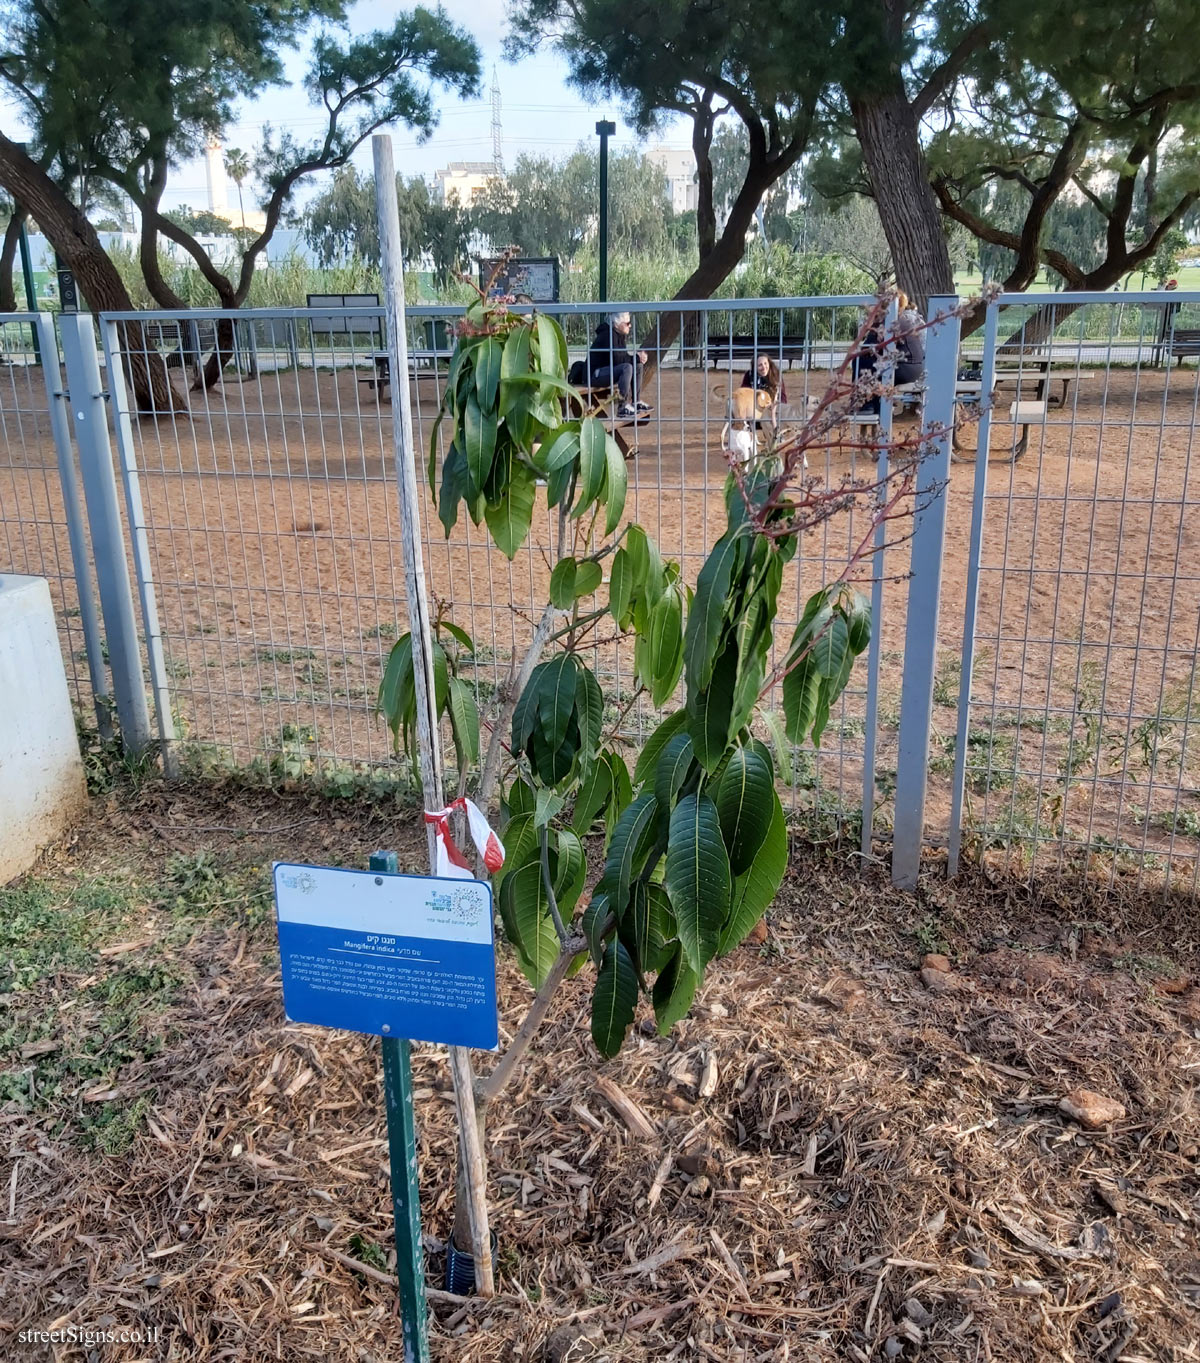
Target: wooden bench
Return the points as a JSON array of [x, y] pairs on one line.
[[777, 348], [1182, 342], [1025, 412]]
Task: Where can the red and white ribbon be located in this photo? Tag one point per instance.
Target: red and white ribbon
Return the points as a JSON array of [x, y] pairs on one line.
[[450, 861]]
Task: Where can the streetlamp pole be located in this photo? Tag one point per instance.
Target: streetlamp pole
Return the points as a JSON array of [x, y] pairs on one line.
[[606, 130]]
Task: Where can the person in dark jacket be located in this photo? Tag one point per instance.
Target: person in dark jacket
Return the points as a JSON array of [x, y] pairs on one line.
[[611, 364], [766, 376]]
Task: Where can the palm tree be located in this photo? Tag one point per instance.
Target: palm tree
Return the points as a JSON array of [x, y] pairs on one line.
[[237, 167]]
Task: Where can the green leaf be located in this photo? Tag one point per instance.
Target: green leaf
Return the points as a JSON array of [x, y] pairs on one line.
[[571, 873], [622, 791], [535, 935], [592, 797], [559, 449], [614, 1000], [664, 647], [562, 583], [464, 722], [620, 587], [460, 636], [674, 991], [745, 800], [801, 695], [588, 578], [711, 711], [454, 487], [487, 372], [832, 648], [637, 546], [592, 462], [479, 443], [519, 836], [709, 612], [697, 879], [525, 713], [397, 694], [514, 364], [628, 845], [595, 920], [552, 347], [589, 712], [548, 805], [648, 758], [559, 485], [615, 484], [859, 616], [509, 521], [556, 697], [672, 769], [519, 800], [662, 932], [758, 885]]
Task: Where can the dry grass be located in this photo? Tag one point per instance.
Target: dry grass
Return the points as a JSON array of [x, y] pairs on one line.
[[877, 1171]]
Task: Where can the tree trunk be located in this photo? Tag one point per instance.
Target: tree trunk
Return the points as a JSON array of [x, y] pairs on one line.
[[887, 131], [462, 1201], [8, 258], [75, 240]]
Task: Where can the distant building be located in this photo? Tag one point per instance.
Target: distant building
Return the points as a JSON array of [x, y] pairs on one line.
[[464, 180], [679, 166]]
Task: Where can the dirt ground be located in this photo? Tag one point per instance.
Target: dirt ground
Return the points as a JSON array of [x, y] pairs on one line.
[[273, 537], [847, 1162]]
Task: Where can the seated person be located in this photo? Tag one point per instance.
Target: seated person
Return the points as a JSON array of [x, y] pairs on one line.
[[908, 355], [611, 364]]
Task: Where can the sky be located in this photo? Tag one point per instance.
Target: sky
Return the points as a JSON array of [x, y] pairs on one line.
[[540, 114]]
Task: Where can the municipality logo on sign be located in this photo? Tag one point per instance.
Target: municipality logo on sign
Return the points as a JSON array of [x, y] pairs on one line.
[[302, 882], [465, 905]]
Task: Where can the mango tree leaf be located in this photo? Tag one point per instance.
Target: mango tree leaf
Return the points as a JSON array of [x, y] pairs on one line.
[[592, 462], [547, 806], [672, 769], [662, 930], [562, 583], [674, 991], [464, 722], [652, 749], [758, 885], [589, 712], [596, 921], [801, 694], [479, 442], [454, 487], [614, 1000], [487, 372], [536, 938], [782, 745], [588, 578], [509, 520], [697, 879], [556, 697], [552, 346], [615, 484], [628, 843], [745, 800], [559, 485], [620, 587], [559, 449], [570, 874], [710, 712], [397, 697], [525, 713], [859, 618], [520, 838], [460, 636], [664, 646], [593, 796], [519, 800], [514, 364], [708, 615]]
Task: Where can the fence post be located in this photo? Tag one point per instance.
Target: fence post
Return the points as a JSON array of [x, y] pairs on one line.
[[924, 590], [47, 346], [85, 394], [140, 544], [428, 739], [974, 557]]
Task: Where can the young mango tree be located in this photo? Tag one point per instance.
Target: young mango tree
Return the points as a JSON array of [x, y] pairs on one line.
[[694, 833]]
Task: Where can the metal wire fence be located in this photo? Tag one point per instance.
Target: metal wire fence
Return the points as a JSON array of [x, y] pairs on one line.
[[40, 504], [271, 518], [1078, 744]]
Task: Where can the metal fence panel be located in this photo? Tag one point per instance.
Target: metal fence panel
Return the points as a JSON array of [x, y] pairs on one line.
[[1078, 735], [269, 514], [43, 531]]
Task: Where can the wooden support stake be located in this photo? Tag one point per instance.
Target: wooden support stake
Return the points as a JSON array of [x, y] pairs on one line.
[[428, 744]]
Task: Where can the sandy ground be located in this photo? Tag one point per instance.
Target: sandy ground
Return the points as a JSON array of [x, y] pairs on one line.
[[272, 525]]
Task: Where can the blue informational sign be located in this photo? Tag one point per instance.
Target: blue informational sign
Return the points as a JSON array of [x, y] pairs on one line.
[[396, 956]]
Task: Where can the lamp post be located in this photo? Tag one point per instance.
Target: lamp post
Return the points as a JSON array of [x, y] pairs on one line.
[[606, 130]]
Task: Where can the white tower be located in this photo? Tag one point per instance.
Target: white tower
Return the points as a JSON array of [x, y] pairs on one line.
[[214, 171]]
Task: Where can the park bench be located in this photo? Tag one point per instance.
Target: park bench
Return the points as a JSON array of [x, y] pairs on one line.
[[778, 348], [1182, 342]]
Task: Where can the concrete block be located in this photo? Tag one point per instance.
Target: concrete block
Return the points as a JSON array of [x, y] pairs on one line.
[[42, 786]]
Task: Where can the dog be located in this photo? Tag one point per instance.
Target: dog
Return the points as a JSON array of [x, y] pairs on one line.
[[739, 438]]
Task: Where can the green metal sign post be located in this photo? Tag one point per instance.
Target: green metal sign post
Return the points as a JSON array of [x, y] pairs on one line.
[[406, 1201]]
